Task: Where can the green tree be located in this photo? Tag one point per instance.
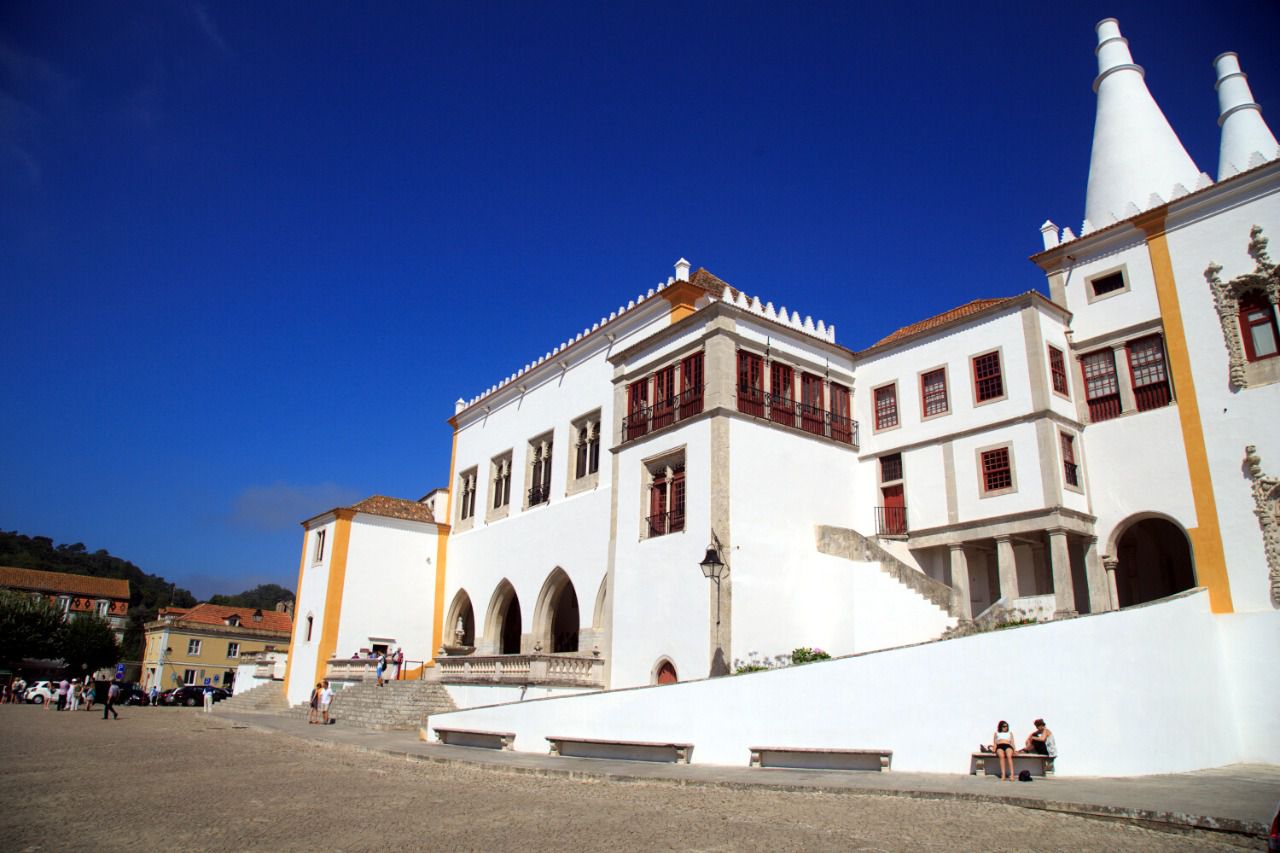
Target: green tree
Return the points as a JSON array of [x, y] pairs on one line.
[[87, 644], [264, 596], [28, 627]]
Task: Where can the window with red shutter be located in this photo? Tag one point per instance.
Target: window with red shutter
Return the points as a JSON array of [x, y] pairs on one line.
[[1150, 377], [886, 399], [1258, 326], [933, 393], [750, 384], [988, 380], [1058, 370], [996, 471], [1101, 387]]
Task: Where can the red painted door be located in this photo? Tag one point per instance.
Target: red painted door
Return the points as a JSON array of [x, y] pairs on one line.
[[895, 511], [667, 673]]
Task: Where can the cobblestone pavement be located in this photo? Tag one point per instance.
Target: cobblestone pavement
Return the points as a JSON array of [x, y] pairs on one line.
[[177, 779]]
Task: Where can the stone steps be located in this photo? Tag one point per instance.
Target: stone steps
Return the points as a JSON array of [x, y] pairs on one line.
[[264, 697], [396, 706]]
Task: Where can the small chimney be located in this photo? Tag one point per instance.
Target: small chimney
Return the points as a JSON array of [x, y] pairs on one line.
[[1049, 232], [682, 270], [1244, 132]]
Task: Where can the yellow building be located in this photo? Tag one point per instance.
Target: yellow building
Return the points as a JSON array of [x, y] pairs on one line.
[[203, 644]]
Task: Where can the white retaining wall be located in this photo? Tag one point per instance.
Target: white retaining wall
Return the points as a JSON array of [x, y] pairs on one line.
[[1177, 689]]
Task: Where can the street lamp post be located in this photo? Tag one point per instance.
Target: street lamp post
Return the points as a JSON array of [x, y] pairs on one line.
[[712, 568]]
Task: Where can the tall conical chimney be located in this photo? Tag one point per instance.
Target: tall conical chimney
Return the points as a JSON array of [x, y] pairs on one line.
[[1136, 154], [1244, 133]]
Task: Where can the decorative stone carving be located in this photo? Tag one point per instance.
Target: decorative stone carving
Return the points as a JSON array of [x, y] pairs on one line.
[[1266, 506], [1226, 299]]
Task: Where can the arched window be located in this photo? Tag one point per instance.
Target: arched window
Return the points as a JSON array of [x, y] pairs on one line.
[[1258, 326], [311, 620]]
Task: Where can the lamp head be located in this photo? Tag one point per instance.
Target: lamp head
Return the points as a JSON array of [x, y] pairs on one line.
[[712, 566]]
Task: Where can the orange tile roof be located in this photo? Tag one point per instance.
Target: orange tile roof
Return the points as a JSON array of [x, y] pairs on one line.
[[714, 285], [217, 614], [64, 582], [395, 508], [939, 320]]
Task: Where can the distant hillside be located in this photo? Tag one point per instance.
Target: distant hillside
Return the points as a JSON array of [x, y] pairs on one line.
[[147, 592]]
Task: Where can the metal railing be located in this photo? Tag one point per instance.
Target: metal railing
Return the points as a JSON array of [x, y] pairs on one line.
[[664, 523], [891, 521], [1072, 473], [646, 419], [539, 495], [789, 413]]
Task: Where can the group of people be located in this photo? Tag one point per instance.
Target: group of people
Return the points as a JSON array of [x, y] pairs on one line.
[[12, 692], [388, 664], [1039, 742], [320, 699]]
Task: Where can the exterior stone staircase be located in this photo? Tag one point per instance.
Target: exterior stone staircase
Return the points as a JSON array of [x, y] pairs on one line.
[[396, 706], [852, 545], [267, 697]]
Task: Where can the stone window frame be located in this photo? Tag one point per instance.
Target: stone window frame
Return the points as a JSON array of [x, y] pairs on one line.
[[897, 408], [946, 387], [1012, 488], [973, 377], [467, 487], [492, 513], [1092, 297], [593, 422], [1265, 277], [665, 462], [317, 553], [540, 448], [1076, 451], [1050, 349]]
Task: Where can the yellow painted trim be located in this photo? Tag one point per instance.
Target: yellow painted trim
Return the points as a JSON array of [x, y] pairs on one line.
[[297, 596], [333, 595], [1206, 537], [683, 297], [442, 551]]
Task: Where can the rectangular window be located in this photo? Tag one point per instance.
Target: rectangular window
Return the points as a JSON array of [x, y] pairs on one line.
[[997, 474], [690, 386], [188, 676], [637, 421], [586, 447], [1070, 473], [467, 493], [1101, 388], [319, 555], [988, 380], [841, 424], [233, 650], [811, 403], [1258, 326], [886, 398], [102, 609], [1150, 378], [891, 468], [1058, 371], [933, 393], [193, 648], [1107, 284], [664, 397], [540, 471], [782, 395], [666, 497], [750, 384], [501, 481]]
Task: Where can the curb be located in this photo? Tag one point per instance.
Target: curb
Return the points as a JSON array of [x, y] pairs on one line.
[[1168, 821]]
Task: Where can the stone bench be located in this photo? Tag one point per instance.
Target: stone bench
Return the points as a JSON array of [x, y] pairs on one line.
[[821, 758], [625, 750], [988, 763], [475, 737]]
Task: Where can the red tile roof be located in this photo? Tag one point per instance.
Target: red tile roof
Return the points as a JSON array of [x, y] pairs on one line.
[[63, 582], [714, 285], [217, 614], [946, 317], [394, 508]]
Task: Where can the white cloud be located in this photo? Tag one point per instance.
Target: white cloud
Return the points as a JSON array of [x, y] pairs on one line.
[[280, 506]]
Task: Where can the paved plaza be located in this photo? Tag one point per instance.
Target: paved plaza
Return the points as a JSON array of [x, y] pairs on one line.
[[178, 779]]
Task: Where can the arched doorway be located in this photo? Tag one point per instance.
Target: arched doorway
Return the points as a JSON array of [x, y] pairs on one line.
[[503, 623], [460, 628], [510, 644], [556, 617], [1155, 561], [666, 673]]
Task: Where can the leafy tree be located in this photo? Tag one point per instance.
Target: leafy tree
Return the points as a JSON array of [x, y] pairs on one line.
[[264, 596], [28, 627], [87, 643]]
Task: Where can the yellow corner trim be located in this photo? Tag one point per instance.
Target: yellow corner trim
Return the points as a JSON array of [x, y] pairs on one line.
[[1206, 537], [297, 596], [328, 646], [442, 552]]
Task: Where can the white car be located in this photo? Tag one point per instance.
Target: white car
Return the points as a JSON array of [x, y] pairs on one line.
[[40, 692]]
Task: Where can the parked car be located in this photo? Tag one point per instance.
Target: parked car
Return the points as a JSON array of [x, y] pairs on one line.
[[40, 692], [132, 694], [192, 695]]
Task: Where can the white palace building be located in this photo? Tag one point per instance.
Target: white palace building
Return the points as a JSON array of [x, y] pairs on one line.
[[1104, 460]]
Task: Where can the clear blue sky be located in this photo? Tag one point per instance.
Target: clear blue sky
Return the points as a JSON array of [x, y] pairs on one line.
[[250, 253]]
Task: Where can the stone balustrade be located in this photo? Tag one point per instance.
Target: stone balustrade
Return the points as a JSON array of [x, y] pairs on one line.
[[556, 669]]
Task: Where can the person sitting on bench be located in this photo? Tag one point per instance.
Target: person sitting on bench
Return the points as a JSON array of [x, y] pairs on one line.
[[1041, 741]]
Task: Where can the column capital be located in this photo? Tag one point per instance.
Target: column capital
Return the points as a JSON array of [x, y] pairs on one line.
[[955, 546], [1003, 537], [1110, 563]]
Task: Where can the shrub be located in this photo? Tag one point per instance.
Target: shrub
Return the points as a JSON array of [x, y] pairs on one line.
[[804, 654]]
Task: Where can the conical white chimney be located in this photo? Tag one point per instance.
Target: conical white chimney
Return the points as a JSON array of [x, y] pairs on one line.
[[1135, 152], [1244, 133]]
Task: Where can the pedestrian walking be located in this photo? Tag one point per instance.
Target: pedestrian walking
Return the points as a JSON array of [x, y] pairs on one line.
[[399, 662], [208, 699], [326, 696], [113, 693], [73, 697], [382, 665], [155, 695], [64, 687], [314, 714], [90, 695]]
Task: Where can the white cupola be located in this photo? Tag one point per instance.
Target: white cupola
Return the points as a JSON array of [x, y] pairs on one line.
[[1245, 136], [1137, 158]]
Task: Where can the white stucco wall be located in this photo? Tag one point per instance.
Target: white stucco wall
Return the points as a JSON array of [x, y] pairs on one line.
[[311, 598], [1127, 251], [1098, 711]]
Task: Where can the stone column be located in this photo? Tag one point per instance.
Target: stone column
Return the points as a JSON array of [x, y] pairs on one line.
[[1007, 567], [1111, 564], [960, 604], [1128, 403], [1099, 591], [1063, 593]]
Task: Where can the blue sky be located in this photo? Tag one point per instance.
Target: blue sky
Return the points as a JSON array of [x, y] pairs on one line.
[[250, 254]]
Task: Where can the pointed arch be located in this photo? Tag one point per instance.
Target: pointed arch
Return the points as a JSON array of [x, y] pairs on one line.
[[597, 615], [556, 617], [504, 623], [462, 618], [664, 672]]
